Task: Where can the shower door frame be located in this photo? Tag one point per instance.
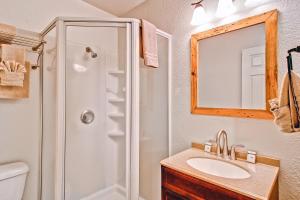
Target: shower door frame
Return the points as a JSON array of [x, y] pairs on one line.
[[60, 23], [132, 94], [170, 58]]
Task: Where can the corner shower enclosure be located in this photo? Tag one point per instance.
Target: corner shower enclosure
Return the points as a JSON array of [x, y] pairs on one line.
[[92, 120]]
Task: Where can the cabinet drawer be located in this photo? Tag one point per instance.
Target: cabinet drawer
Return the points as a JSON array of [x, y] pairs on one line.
[[195, 189], [169, 195]]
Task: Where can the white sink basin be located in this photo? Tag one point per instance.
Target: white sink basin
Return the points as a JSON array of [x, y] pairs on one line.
[[218, 168]]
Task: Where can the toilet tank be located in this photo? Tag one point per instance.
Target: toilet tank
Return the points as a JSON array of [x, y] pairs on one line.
[[12, 180]]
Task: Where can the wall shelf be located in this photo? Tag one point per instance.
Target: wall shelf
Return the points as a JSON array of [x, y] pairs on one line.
[[116, 72], [116, 100], [116, 133], [116, 115]]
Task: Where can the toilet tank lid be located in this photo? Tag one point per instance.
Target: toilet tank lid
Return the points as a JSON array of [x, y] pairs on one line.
[[13, 169]]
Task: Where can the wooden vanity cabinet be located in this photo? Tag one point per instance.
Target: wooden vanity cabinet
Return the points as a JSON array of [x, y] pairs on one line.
[[179, 186]]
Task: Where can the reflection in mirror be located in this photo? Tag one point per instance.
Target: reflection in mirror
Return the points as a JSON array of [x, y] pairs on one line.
[[231, 69]]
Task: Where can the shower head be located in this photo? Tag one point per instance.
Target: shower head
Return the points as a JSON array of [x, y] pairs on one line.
[[89, 50]]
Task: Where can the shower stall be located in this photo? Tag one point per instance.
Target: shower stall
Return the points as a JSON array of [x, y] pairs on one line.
[[100, 111]]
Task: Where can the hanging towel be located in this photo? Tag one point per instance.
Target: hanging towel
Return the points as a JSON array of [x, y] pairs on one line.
[[149, 44], [7, 33], [10, 52], [284, 109]]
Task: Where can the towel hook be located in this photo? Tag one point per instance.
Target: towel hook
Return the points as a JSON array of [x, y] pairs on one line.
[[41, 45], [290, 68], [289, 57]]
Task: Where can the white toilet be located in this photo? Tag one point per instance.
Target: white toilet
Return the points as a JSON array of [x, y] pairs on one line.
[[12, 180]]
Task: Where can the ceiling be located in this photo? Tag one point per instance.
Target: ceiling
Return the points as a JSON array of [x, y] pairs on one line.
[[115, 7]]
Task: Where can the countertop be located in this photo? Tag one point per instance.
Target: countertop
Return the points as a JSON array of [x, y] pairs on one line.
[[259, 186]]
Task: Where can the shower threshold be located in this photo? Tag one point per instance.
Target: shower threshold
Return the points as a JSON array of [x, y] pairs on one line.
[[114, 192]]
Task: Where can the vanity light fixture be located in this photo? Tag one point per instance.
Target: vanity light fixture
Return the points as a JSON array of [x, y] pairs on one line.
[[199, 15], [225, 8]]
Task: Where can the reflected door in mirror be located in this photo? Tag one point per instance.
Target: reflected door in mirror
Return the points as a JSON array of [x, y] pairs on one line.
[[253, 78]]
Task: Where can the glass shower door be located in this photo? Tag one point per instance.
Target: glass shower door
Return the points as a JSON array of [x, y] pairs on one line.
[[154, 120], [97, 112]]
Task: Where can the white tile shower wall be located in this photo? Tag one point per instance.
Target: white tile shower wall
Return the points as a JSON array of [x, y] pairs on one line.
[[87, 145], [174, 17], [20, 120]]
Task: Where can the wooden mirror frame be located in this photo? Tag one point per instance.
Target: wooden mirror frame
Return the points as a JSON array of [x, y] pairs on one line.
[[270, 19]]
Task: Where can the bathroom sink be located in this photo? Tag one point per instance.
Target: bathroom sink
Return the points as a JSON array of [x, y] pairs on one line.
[[218, 168]]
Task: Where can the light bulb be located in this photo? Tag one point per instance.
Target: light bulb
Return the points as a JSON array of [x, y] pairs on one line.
[[199, 16], [225, 8], [252, 3]]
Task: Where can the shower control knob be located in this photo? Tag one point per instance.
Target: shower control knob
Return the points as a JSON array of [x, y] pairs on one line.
[[87, 116]]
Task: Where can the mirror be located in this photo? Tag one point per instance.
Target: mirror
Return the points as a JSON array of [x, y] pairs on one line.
[[234, 68], [231, 69]]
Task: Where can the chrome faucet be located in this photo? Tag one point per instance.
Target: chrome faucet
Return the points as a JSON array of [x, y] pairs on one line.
[[222, 150]]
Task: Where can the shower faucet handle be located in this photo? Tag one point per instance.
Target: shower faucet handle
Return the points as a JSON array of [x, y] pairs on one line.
[[90, 50]]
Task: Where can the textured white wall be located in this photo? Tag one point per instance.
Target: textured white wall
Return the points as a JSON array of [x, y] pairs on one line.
[[20, 120], [174, 17]]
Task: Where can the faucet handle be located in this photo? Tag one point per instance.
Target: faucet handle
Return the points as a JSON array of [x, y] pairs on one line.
[[251, 156], [233, 148], [207, 147]]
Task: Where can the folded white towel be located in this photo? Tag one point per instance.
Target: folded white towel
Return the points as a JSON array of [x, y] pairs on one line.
[[149, 44], [11, 73], [7, 33], [13, 76], [12, 79], [11, 83], [12, 66]]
